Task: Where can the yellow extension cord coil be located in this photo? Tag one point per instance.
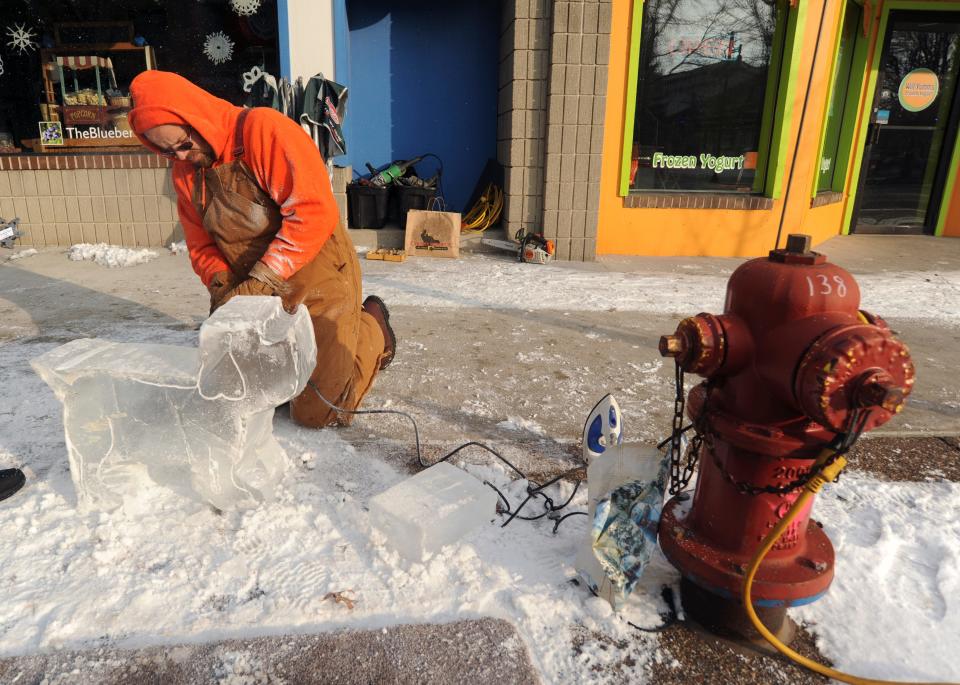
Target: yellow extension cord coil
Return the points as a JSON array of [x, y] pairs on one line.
[[826, 474], [485, 211]]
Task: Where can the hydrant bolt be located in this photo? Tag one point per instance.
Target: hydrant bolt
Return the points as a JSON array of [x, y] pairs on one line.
[[879, 394], [671, 346]]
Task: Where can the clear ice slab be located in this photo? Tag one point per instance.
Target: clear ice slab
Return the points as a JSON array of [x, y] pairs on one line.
[[436, 507], [196, 420]]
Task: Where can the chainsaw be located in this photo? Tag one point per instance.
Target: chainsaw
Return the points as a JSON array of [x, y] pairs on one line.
[[530, 248], [9, 232]]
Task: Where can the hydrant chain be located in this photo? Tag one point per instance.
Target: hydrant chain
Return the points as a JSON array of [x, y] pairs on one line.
[[680, 474]]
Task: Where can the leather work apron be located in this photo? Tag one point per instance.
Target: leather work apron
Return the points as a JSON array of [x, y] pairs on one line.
[[243, 220]]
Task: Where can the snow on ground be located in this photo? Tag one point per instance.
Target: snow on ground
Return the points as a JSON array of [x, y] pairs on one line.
[[109, 255], [893, 611], [164, 570], [178, 247], [482, 281], [22, 254], [516, 423]]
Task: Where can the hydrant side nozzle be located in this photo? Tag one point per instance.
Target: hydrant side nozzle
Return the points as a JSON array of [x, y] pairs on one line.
[[877, 393], [671, 345]]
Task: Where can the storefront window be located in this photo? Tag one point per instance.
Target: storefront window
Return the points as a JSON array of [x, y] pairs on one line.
[[67, 65], [701, 94], [838, 97]]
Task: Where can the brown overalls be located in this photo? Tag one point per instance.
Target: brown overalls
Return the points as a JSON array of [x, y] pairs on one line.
[[243, 220]]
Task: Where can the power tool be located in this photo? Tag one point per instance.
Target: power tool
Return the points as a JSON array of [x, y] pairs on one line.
[[530, 248], [534, 248], [391, 173]]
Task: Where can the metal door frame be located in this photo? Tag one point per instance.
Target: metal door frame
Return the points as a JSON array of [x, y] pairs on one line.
[[876, 50]]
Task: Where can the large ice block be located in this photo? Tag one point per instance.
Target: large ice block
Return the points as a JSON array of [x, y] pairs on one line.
[[437, 506], [199, 421]]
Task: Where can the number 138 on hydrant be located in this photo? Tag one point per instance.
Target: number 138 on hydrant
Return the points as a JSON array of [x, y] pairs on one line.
[[794, 373]]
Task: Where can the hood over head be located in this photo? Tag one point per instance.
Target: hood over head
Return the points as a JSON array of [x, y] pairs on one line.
[[162, 97]]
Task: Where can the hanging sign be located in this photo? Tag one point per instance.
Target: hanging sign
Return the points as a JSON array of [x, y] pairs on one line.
[[918, 90]]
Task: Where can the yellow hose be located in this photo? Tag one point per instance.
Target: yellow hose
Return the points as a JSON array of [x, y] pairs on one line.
[[826, 474]]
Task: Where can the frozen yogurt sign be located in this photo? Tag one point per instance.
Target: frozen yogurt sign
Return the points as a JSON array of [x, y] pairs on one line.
[[716, 164], [918, 90]]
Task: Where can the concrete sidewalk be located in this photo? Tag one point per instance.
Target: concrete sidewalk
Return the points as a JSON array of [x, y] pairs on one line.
[[464, 370], [485, 651]]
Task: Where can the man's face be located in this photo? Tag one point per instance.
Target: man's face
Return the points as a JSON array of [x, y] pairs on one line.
[[181, 143]]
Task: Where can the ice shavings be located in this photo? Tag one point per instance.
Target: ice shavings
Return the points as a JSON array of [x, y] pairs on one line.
[[199, 421], [178, 247], [109, 255]]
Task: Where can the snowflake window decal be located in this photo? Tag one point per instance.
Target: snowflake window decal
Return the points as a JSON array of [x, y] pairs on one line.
[[218, 47], [21, 38], [245, 8]]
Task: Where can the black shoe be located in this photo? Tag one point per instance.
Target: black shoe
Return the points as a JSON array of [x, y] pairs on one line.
[[11, 480], [375, 307]]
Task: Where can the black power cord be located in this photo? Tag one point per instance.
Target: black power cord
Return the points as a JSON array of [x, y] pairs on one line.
[[534, 490], [666, 592]]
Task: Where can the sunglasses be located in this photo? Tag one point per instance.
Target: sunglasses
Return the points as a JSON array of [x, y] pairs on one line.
[[186, 145]]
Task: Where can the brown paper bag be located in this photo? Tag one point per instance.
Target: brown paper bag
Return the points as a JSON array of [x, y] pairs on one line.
[[433, 234]]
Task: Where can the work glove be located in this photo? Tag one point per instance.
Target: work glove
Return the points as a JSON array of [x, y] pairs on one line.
[[221, 283], [261, 280]]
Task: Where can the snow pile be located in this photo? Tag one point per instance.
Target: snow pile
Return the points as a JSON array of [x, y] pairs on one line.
[[179, 247], [109, 255], [482, 281], [516, 423], [23, 254], [893, 611]]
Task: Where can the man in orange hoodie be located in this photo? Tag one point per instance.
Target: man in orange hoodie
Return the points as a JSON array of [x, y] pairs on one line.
[[259, 218]]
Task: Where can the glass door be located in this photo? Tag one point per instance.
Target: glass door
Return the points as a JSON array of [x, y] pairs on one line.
[[912, 125]]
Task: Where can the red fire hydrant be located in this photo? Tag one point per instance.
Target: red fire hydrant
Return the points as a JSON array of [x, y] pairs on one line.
[[790, 365]]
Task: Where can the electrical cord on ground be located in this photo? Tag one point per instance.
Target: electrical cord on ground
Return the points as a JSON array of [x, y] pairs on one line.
[[672, 615], [666, 592], [534, 489], [826, 469]]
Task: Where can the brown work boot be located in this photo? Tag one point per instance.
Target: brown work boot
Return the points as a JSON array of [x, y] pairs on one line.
[[375, 307]]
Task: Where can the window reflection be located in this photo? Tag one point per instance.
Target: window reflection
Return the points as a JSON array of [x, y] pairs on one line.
[[700, 93]]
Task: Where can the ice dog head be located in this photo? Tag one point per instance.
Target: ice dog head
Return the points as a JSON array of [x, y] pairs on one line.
[[248, 349]]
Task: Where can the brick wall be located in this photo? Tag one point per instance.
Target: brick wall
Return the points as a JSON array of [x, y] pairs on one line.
[[553, 83], [133, 207], [123, 200], [521, 124], [579, 55]]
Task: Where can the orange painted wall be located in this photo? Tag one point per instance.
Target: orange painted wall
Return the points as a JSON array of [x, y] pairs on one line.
[[719, 232], [951, 226]]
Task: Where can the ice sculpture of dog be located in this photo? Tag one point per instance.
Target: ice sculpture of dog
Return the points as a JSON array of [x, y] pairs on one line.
[[199, 421]]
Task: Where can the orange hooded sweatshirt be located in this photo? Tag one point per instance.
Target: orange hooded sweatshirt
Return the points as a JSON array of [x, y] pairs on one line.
[[282, 157]]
